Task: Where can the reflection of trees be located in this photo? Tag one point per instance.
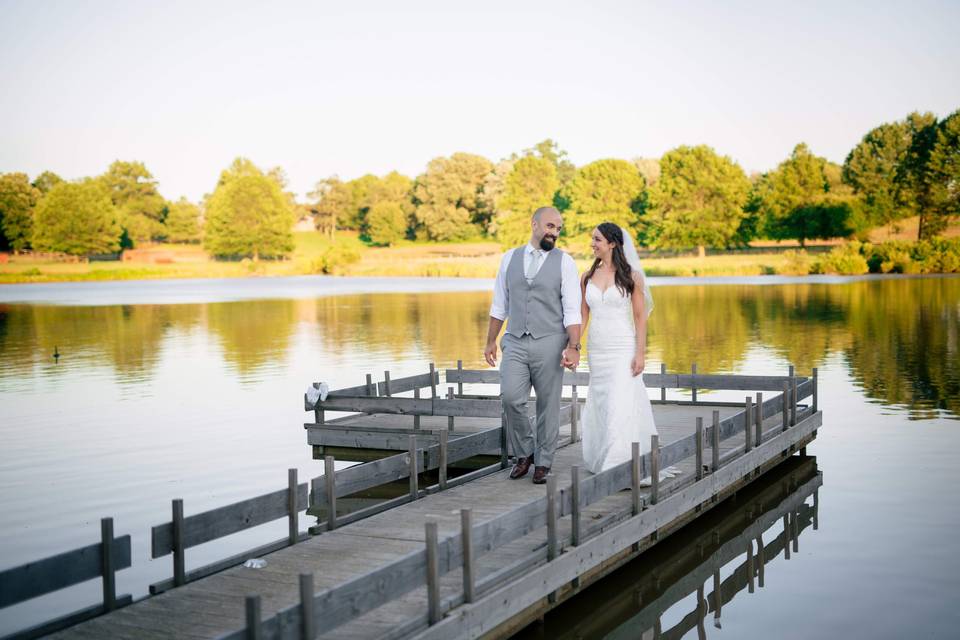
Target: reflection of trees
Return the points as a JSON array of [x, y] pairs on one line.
[[127, 337], [253, 333]]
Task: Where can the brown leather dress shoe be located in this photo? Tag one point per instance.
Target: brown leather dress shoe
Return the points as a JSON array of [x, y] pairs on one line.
[[520, 469], [540, 475]]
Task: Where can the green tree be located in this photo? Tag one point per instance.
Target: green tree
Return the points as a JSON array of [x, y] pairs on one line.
[[649, 168], [871, 169], [387, 223], [448, 197], [249, 216], [552, 153], [333, 203], [183, 221], [943, 174], [698, 200], [46, 181], [133, 190], [913, 183], [530, 185], [17, 201], [77, 218], [493, 187], [796, 199], [604, 191]]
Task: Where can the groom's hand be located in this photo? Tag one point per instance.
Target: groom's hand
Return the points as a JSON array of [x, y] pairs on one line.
[[490, 353], [570, 358]]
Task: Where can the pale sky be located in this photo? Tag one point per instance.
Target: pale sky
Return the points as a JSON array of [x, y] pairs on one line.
[[348, 88]]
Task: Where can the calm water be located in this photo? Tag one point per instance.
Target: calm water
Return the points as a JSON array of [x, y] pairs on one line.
[[193, 390]]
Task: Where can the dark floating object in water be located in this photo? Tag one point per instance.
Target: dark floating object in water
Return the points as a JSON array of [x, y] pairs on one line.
[[56, 354]]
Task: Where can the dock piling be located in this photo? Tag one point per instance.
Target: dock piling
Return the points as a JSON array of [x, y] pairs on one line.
[[330, 480], [416, 417], [459, 377], [469, 570], [574, 422], [759, 418], [748, 424], [575, 505], [503, 442], [414, 468], [786, 405], [107, 568], [699, 449], [654, 468], [814, 389], [551, 517], [715, 442], [450, 418], [254, 630], [179, 558], [693, 384], [433, 573], [370, 388], [386, 383], [292, 507], [308, 629], [433, 380], [635, 477], [442, 468], [663, 389]]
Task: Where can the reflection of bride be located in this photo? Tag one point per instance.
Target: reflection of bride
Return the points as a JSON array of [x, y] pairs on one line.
[[615, 293]]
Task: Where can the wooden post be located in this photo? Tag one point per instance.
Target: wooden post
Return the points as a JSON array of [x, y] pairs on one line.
[[292, 507], [793, 401], [750, 566], [701, 614], [414, 468], [760, 560], [370, 387], [330, 476], [442, 470], [693, 385], [574, 418], [179, 557], [459, 377], [433, 573], [308, 627], [469, 570], [663, 389], [786, 536], [814, 389], [575, 505], [759, 418], [717, 599], [433, 380], [635, 477], [107, 570], [786, 405], [699, 459], [551, 517], [790, 371], [449, 418], [748, 424], [254, 630], [654, 468], [715, 442], [416, 417], [504, 463], [386, 383]]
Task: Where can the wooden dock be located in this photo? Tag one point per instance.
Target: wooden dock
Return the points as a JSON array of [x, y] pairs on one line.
[[454, 548]]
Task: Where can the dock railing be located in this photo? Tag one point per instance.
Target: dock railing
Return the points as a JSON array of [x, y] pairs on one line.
[[422, 569], [333, 607]]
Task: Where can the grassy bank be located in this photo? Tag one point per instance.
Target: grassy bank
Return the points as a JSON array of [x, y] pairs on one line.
[[313, 251]]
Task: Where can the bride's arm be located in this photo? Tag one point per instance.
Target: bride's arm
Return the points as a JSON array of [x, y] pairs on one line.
[[640, 324], [584, 308]]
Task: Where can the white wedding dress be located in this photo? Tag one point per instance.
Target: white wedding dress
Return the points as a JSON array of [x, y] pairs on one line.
[[617, 412]]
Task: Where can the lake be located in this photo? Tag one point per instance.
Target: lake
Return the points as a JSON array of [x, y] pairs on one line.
[[193, 389]]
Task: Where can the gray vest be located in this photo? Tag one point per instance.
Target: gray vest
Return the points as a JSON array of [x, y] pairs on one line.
[[535, 308]]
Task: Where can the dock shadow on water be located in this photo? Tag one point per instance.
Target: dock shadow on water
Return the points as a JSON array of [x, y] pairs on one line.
[[680, 587]]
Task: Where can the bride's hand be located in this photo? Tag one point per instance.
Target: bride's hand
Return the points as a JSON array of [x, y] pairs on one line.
[[637, 365]]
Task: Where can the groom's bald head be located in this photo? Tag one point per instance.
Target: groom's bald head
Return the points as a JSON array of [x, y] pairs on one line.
[[538, 214], [545, 228]]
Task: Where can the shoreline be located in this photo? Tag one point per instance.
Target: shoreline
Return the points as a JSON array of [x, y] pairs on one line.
[[238, 289]]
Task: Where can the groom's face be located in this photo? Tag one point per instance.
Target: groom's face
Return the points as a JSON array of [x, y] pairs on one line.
[[546, 230]]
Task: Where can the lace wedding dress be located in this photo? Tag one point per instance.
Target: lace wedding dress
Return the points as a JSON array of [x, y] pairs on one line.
[[617, 412]]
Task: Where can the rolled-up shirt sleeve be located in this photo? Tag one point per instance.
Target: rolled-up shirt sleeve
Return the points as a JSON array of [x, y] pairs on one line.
[[570, 291], [499, 306]]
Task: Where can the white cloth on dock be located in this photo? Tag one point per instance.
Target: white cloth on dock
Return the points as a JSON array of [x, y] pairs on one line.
[[317, 392]]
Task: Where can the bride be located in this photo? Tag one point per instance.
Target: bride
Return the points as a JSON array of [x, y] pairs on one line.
[[615, 292]]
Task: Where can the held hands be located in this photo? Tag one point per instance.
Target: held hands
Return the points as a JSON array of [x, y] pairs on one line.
[[490, 354], [570, 358], [637, 365]]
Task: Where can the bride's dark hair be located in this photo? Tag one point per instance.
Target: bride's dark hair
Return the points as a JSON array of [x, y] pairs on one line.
[[623, 274]]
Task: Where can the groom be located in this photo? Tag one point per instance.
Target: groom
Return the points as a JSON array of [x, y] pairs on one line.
[[538, 289]]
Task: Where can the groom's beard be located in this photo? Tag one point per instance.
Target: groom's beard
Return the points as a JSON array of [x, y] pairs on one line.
[[547, 243]]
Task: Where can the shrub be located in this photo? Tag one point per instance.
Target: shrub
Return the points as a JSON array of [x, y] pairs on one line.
[[889, 257], [845, 260], [336, 259], [387, 223], [795, 263]]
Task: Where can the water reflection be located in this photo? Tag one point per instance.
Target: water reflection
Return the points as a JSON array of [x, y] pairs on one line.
[[694, 573], [898, 337]]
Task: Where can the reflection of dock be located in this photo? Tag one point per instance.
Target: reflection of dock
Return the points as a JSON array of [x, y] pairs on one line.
[[452, 548], [631, 603]]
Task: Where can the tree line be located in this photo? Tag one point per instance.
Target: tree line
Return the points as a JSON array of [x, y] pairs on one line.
[[690, 197]]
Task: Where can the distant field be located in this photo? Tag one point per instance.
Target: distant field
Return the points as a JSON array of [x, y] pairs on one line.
[[465, 260]]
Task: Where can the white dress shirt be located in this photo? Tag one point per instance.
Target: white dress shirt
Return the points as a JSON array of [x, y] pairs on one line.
[[569, 284]]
